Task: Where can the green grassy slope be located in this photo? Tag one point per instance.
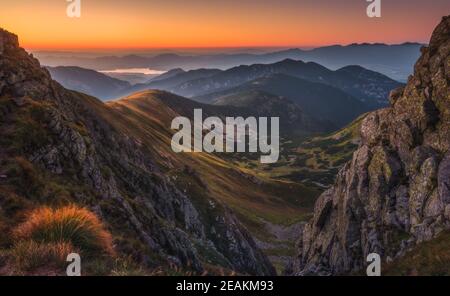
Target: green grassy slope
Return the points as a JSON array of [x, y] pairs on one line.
[[149, 118], [313, 162], [430, 258]]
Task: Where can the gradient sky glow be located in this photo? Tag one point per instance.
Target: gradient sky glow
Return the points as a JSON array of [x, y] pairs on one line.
[[43, 24]]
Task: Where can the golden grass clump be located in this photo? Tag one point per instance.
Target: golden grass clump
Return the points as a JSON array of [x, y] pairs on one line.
[[29, 255], [73, 225]]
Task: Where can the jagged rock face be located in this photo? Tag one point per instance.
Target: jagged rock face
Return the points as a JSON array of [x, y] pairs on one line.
[[395, 192], [124, 185]]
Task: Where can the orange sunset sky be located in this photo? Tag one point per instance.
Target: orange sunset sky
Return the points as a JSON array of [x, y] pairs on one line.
[[43, 24]]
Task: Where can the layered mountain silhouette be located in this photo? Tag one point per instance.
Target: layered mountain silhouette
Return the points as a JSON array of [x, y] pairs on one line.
[[363, 84], [323, 102], [168, 74], [319, 94], [395, 61], [88, 81], [170, 80]]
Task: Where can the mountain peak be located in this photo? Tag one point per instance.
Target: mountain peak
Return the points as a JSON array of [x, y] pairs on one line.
[[8, 41], [440, 34], [290, 61], [397, 183], [21, 73]]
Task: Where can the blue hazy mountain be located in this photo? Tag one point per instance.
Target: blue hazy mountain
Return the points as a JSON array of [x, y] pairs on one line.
[[395, 61], [369, 87], [320, 101], [88, 81]]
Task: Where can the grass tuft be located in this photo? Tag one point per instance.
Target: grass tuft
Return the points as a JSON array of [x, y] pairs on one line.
[[74, 225], [27, 256]]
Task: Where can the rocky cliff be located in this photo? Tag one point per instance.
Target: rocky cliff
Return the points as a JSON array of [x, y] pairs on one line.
[[395, 192], [59, 146]]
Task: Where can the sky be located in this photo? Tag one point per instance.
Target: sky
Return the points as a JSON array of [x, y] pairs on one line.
[[119, 24]]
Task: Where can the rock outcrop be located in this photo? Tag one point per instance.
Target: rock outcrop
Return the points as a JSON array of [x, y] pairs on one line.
[[75, 141], [395, 192]]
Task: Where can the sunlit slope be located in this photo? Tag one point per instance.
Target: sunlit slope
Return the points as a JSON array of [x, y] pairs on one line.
[[148, 115]]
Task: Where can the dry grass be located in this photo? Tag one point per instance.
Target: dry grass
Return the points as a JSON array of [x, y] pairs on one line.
[[73, 225], [27, 256]]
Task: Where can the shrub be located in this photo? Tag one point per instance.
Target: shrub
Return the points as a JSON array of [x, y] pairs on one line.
[[74, 225], [27, 256]]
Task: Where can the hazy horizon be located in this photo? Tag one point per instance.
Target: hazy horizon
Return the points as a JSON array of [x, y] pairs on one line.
[[136, 24], [196, 50]]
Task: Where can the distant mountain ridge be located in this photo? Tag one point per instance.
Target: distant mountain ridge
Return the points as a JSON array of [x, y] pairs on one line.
[[88, 81], [395, 61], [320, 101], [331, 97], [169, 80], [368, 86], [168, 74]]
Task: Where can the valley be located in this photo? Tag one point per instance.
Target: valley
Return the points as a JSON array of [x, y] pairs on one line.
[[256, 200], [271, 201], [362, 163]]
